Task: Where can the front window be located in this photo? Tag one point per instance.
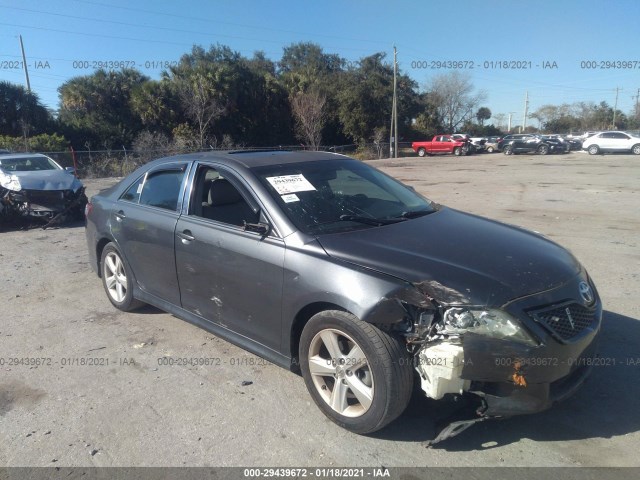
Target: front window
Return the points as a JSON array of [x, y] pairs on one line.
[[28, 164], [329, 196]]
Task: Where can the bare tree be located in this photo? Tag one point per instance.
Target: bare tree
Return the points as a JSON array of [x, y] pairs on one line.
[[201, 103], [379, 134], [499, 118], [451, 94], [308, 109]]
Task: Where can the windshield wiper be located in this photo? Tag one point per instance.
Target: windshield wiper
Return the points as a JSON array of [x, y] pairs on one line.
[[415, 213], [368, 220]]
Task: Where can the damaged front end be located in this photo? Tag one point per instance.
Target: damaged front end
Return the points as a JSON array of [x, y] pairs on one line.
[[515, 359], [50, 207]]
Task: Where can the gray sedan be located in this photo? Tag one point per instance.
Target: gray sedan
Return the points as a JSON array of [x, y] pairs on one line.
[[328, 267]]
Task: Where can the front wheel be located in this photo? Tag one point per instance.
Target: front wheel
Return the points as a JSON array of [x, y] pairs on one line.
[[508, 150], [457, 151], [593, 150], [117, 280], [636, 149], [358, 375], [543, 149], [489, 149]]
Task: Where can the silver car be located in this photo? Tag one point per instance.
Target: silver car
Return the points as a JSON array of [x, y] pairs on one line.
[[35, 186]]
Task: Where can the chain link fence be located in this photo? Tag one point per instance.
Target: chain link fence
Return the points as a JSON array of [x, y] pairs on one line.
[[118, 163]]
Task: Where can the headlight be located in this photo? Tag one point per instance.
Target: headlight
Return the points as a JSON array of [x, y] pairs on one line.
[[492, 323], [10, 182]]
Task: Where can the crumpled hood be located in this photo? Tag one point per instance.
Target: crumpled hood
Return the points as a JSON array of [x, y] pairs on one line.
[[458, 258], [47, 180]]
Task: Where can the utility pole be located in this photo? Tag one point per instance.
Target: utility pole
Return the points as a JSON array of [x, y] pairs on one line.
[[393, 132], [526, 110], [615, 107], [636, 96], [24, 64], [509, 126]]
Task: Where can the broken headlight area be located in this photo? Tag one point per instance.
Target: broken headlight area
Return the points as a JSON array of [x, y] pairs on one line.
[[10, 182], [494, 323], [436, 338]]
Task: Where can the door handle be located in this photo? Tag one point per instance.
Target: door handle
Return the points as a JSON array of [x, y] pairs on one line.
[[120, 215], [186, 236]]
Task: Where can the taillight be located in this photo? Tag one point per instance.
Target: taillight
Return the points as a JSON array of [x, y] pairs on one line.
[[88, 208]]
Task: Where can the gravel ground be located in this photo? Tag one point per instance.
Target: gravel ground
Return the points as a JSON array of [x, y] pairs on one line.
[[100, 398]]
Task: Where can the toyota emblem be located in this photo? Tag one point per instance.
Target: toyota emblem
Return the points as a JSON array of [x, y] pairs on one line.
[[585, 292]]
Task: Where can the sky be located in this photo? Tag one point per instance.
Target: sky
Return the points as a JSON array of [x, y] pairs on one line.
[[573, 50]]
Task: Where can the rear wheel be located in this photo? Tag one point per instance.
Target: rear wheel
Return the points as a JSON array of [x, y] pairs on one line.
[[358, 375], [636, 149], [593, 150], [543, 149], [490, 149], [421, 152], [117, 280]]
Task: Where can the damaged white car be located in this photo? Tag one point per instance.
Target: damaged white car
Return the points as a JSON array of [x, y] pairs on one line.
[[34, 186]]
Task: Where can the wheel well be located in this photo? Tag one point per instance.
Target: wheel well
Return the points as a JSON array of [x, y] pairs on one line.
[[101, 244], [300, 321]]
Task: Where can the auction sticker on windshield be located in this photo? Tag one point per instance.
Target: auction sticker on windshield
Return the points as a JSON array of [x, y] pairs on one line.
[[290, 184]]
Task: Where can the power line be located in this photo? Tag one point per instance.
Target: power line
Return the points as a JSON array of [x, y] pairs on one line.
[[127, 24], [210, 21]]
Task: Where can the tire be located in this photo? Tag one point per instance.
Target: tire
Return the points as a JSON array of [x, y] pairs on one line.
[[636, 149], [543, 149], [361, 395], [507, 150], [421, 152], [489, 149], [457, 151], [593, 150], [117, 279]]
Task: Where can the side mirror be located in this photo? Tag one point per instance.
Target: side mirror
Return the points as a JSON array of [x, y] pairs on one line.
[[260, 228], [70, 170]]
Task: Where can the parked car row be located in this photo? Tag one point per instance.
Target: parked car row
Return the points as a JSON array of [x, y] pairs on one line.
[[592, 142]]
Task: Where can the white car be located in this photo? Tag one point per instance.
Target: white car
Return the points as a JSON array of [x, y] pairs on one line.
[[612, 142]]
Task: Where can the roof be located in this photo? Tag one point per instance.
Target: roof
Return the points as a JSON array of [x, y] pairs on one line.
[[259, 158]]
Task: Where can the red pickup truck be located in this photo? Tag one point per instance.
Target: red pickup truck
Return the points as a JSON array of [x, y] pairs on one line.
[[439, 144]]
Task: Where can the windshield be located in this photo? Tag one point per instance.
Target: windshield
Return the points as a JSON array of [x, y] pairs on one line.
[[27, 164], [329, 196]]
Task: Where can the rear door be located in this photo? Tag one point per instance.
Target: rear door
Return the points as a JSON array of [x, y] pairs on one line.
[[605, 141], [143, 224]]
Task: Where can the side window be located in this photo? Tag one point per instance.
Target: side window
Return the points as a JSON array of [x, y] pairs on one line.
[[133, 192], [216, 198], [162, 189]]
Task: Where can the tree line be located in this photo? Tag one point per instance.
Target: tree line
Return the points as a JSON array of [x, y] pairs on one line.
[[218, 98]]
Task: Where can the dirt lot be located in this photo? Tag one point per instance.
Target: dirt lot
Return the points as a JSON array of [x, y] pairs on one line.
[[100, 398]]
